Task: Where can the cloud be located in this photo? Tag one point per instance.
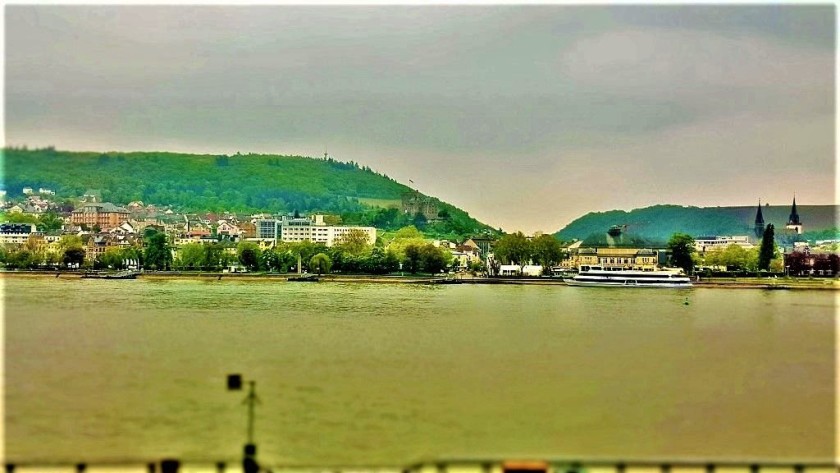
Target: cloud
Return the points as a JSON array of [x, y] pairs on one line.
[[707, 72], [468, 100]]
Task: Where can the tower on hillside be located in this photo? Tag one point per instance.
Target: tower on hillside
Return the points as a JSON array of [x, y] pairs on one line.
[[793, 221], [759, 222]]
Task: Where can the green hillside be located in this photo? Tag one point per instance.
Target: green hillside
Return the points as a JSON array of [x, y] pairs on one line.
[[659, 222], [238, 183]]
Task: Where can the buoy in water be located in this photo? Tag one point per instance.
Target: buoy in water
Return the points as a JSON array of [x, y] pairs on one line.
[[686, 301]]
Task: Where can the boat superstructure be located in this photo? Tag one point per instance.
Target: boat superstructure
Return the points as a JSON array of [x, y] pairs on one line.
[[617, 277]]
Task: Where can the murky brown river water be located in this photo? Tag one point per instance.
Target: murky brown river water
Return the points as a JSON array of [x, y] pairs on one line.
[[374, 373]]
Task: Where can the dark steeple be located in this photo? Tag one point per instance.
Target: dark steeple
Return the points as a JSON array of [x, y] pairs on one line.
[[794, 217], [759, 222]]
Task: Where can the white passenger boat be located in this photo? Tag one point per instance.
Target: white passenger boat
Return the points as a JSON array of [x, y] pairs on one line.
[[598, 276]]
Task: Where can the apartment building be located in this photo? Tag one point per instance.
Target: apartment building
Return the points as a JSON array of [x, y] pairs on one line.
[[106, 215], [294, 229]]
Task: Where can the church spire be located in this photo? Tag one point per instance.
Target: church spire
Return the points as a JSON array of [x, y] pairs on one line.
[[794, 216], [759, 222]]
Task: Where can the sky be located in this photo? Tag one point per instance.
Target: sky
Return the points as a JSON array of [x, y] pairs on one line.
[[526, 116]]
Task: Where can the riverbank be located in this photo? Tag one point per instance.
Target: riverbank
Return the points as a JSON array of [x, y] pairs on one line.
[[728, 283]]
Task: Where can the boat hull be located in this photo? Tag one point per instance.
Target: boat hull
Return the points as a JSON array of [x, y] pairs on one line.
[[597, 277], [628, 284]]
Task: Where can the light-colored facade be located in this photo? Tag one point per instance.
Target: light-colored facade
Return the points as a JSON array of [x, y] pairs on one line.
[[627, 258], [267, 228], [711, 243], [529, 270], [297, 229], [16, 233], [97, 245], [227, 230]]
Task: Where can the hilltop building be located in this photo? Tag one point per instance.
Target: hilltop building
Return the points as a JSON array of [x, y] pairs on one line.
[[415, 202]]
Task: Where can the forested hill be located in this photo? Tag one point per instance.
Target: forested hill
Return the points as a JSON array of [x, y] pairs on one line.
[[661, 221], [238, 183]]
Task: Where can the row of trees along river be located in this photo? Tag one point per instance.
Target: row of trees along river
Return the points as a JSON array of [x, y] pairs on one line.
[[408, 251]]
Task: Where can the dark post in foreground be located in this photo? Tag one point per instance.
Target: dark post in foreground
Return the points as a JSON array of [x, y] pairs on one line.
[[249, 453]]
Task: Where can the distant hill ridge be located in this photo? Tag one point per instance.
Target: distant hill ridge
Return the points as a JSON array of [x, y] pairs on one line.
[[241, 183], [659, 222]]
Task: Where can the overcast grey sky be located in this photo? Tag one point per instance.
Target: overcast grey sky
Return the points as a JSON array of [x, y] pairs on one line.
[[525, 116]]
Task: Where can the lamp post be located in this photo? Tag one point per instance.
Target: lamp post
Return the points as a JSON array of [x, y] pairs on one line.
[[249, 454]]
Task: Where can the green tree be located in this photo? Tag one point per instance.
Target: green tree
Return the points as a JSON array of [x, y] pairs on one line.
[[408, 232], [354, 242], [21, 258], [248, 254], [434, 259], [49, 222], [320, 263], [306, 250], [513, 248], [190, 256], [270, 260], [411, 261], [158, 255], [733, 257], [70, 241], [404, 238], [73, 256], [682, 248], [214, 257], [380, 261], [768, 248], [420, 220], [546, 250], [14, 217], [53, 259], [112, 258]]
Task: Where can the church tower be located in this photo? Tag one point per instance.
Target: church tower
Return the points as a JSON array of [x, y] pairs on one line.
[[759, 222], [793, 221]]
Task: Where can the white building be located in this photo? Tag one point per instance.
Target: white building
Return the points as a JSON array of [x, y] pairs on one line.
[[711, 243], [530, 270], [267, 228], [16, 233], [297, 229]]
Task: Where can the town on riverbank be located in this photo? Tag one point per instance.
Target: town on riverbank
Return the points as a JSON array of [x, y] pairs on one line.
[[84, 236]]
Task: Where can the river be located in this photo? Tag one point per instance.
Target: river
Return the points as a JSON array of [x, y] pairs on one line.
[[356, 373]]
